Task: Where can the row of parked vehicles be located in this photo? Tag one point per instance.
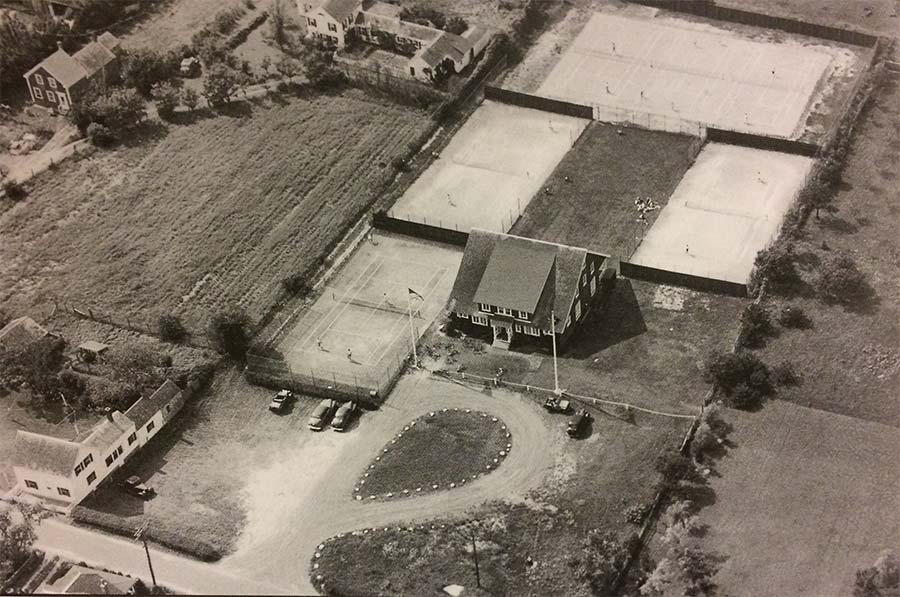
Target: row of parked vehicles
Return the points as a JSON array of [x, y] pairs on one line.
[[576, 423], [338, 413]]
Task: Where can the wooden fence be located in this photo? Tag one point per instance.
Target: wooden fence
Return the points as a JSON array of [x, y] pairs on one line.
[[536, 102]]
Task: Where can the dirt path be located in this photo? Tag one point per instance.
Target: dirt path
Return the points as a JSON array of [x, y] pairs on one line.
[[287, 542]]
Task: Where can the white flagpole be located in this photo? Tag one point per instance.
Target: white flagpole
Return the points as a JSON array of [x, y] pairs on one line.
[[556, 389], [412, 330]]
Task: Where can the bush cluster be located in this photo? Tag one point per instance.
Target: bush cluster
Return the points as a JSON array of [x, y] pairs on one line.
[[171, 329], [14, 190], [431, 17], [756, 326], [840, 281], [792, 316], [741, 376]]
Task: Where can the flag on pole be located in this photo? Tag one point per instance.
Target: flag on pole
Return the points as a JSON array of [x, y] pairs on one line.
[[415, 294]]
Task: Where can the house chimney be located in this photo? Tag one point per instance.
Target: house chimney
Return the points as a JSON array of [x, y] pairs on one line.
[[59, 45], [109, 412]]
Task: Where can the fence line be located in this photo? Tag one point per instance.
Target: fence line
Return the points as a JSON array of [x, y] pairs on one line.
[[649, 120], [695, 282], [537, 102]]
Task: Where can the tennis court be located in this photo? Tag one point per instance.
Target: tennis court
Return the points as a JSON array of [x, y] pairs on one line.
[[491, 169], [680, 69], [727, 208], [358, 331]]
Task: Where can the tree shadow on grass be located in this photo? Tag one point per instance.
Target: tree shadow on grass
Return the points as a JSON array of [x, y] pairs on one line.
[[235, 109], [147, 130], [613, 321], [837, 225]]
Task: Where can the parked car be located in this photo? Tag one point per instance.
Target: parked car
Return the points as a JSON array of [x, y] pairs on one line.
[[280, 401], [323, 413], [136, 487], [190, 67], [343, 416], [577, 423], [556, 405]]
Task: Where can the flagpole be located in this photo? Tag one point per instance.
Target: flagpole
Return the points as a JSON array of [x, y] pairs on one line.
[[556, 389], [412, 331]]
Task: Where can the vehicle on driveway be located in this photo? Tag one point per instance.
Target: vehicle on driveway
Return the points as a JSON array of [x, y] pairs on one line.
[[343, 416], [189, 67], [556, 405], [578, 422], [136, 487], [323, 413], [280, 401]]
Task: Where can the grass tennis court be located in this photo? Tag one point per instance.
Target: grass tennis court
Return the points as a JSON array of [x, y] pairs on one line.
[[676, 68], [727, 208], [364, 310], [490, 170]]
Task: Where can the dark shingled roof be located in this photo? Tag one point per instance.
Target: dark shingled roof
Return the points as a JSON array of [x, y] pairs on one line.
[[518, 275], [45, 453], [144, 409], [341, 9], [69, 70]]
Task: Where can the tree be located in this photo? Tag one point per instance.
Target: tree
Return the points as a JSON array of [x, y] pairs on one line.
[[288, 67], [740, 375], [36, 364], [190, 98], [888, 567], [756, 325], [100, 135], [222, 82], [277, 20], [776, 264], [16, 536], [866, 584], [457, 25], [674, 468], [167, 99], [23, 45], [602, 556], [885, 574], [229, 332], [116, 108], [697, 569], [817, 195], [840, 281], [320, 69], [171, 329], [136, 365], [664, 575], [710, 433], [142, 69]]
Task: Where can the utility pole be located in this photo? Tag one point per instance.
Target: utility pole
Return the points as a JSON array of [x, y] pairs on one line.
[[556, 390], [475, 558], [139, 536]]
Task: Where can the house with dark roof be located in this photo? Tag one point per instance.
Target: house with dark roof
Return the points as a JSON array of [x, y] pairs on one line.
[[61, 79], [522, 290], [60, 473], [81, 580]]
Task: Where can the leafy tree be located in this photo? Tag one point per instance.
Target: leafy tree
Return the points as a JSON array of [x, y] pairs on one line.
[[885, 574], [602, 556], [742, 376], [221, 84], [100, 135], [277, 22], [17, 536], [866, 584], [190, 98], [167, 99], [840, 281], [320, 69], [710, 433], [14, 190], [817, 195], [171, 329], [792, 316], [457, 25], [288, 67], [23, 45], [116, 108], [143, 69], [776, 264], [756, 325], [136, 365], [675, 469], [664, 575], [37, 364], [229, 332], [697, 569], [888, 567], [100, 14]]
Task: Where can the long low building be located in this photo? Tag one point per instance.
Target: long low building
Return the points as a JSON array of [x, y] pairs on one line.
[[61, 473]]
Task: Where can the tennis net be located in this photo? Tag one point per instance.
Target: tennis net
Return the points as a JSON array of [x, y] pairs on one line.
[[380, 306]]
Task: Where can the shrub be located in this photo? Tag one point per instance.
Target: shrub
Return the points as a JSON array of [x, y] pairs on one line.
[[745, 397], [457, 25], [116, 109], [740, 370], [14, 190], [756, 325], [792, 316], [226, 20], [221, 83], [320, 69], [171, 329], [424, 16], [776, 264], [637, 513], [784, 374], [296, 285], [167, 99], [190, 98], [229, 332], [100, 135], [840, 281], [143, 69]]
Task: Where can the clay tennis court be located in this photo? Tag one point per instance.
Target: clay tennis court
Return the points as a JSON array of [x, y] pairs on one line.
[[727, 208], [676, 68], [365, 306], [491, 168]]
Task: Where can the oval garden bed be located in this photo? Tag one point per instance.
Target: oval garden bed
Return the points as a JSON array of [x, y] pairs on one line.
[[441, 450]]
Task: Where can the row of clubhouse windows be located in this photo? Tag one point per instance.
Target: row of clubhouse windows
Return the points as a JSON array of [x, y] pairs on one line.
[[523, 315]]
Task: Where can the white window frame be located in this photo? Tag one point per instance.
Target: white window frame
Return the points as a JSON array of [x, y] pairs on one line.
[[51, 97], [578, 310], [480, 320], [532, 331], [484, 307], [132, 438], [523, 315], [504, 311], [518, 327], [150, 426], [87, 460], [30, 484], [462, 315], [51, 82], [38, 79], [63, 491], [37, 93]]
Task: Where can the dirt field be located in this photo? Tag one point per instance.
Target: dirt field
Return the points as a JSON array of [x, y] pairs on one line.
[[495, 163], [205, 216], [364, 308], [595, 185], [804, 500], [726, 209], [177, 23], [683, 69], [850, 358], [875, 16]]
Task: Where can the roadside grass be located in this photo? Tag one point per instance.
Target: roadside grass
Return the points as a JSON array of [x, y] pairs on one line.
[[595, 480], [208, 216], [646, 347], [850, 358], [448, 446], [819, 491], [606, 172], [199, 468]]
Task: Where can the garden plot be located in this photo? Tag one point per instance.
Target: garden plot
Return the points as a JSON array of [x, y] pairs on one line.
[[490, 170]]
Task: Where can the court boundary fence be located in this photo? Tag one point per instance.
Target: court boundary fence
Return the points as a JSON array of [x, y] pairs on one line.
[[803, 148], [673, 278], [537, 102], [384, 221], [711, 10]]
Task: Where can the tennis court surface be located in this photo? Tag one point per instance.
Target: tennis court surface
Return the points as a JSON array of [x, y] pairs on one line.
[[676, 68], [491, 169], [358, 330], [727, 208]]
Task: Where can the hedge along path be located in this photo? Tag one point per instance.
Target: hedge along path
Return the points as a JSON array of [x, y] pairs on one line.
[[442, 450]]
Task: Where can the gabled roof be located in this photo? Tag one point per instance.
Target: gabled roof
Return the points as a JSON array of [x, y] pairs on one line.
[[94, 57], [44, 453], [144, 409], [108, 431], [80, 580], [390, 24], [62, 67], [21, 332], [109, 41], [341, 9], [519, 267]]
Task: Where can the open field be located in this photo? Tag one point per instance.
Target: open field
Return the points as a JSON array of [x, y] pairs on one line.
[[726, 209], [490, 170], [850, 359], [804, 500], [176, 23], [418, 457], [365, 308], [209, 215], [875, 16], [645, 347], [656, 63], [593, 189]]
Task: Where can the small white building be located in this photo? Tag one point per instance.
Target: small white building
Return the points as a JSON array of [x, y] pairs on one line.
[[61, 473]]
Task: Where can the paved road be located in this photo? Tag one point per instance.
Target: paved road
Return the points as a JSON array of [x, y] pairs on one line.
[[275, 559]]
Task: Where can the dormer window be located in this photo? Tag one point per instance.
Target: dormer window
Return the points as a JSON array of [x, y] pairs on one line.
[[504, 311], [523, 315], [484, 307]]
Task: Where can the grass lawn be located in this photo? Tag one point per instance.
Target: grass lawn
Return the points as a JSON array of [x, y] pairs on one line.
[[449, 447], [646, 347], [850, 358], [606, 171], [881, 20], [804, 500], [594, 481], [203, 216]]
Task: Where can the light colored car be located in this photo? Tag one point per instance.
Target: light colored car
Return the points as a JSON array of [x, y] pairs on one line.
[[323, 413], [280, 401], [343, 416]]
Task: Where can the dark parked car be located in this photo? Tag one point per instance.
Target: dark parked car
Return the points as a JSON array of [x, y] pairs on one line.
[[135, 487], [280, 401], [322, 414], [343, 416], [556, 405], [577, 423]]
